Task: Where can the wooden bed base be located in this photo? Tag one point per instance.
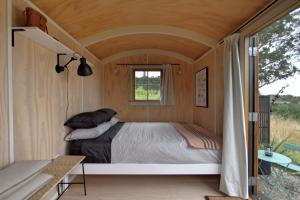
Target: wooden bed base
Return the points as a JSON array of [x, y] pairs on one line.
[[149, 169]]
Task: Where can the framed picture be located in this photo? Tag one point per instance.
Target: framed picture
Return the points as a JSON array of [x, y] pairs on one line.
[[202, 88]]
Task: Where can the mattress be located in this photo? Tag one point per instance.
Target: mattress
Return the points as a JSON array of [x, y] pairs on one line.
[[142, 142], [139, 142]]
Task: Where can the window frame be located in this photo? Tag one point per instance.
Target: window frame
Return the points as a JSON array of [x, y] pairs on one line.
[[133, 83]]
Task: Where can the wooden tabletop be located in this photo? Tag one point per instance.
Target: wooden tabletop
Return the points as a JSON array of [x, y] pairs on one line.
[[58, 168]]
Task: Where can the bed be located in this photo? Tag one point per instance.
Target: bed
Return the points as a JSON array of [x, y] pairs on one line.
[[149, 148]]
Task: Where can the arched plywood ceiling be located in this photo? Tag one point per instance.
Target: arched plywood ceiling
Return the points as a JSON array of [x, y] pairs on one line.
[[147, 52], [149, 29], [179, 45], [202, 21], [215, 19]]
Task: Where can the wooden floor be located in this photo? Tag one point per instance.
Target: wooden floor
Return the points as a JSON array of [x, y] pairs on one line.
[[145, 188]]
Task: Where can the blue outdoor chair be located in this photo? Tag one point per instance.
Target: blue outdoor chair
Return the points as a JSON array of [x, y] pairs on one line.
[[293, 166]]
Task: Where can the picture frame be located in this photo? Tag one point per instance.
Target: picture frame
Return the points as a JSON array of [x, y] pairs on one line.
[[201, 88]]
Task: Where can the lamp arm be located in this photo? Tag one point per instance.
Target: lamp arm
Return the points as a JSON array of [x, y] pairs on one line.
[[72, 59]]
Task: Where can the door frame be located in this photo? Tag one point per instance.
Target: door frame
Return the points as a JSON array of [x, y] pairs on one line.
[[253, 110]]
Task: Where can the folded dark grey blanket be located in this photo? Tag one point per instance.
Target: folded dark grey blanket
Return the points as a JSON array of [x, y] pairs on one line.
[[96, 150]]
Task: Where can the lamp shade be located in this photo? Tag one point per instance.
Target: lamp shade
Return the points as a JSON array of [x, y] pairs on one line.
[[84, 69]]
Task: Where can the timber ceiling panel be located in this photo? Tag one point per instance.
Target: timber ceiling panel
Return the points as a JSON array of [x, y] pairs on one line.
[[149, 41], [203, 21], [215, 18]]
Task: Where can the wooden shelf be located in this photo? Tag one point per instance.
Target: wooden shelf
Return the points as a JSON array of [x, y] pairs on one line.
[[44, 39]]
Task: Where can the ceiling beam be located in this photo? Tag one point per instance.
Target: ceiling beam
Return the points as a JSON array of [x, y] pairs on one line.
[[125, 54], [149, 29]]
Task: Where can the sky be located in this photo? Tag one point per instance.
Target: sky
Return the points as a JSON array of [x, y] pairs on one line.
[[292, 89], [140, 74]]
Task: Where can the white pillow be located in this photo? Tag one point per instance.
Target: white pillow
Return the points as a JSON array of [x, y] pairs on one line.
[[113, 121], [89, 133]]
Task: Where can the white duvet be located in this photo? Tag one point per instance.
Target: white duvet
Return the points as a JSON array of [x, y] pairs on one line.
[[156, 143]]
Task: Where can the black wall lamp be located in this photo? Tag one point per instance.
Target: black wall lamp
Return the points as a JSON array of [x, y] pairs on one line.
[[83, 69]]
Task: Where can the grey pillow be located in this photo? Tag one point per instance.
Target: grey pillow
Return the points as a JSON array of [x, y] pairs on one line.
[[108, 111], [87, 120], [81, 134]]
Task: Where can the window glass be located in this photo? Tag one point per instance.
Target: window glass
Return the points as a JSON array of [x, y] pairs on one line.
[[147, 85]]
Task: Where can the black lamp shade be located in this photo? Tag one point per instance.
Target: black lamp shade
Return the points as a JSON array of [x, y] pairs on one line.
[[84, 69]]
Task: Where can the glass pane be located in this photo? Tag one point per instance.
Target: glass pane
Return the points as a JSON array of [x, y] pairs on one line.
[[154, 92], [154, 77], [278, 97], [147, 85], [140, 77], [140, 92]]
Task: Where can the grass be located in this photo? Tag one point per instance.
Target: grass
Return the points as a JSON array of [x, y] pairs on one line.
[[287, 110], [141, 94], [286, 129]]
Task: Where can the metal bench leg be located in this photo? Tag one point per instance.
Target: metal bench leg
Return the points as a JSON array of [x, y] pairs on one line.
[[58, 190], [83, 176]]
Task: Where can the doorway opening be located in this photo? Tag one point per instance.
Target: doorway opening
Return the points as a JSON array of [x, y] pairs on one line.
[[274, 106]]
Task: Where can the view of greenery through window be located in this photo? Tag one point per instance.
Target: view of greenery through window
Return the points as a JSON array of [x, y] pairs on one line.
[[279, 78], [279, 64], [147, 85]]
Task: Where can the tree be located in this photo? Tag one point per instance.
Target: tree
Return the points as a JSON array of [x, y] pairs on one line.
[[279, 49]]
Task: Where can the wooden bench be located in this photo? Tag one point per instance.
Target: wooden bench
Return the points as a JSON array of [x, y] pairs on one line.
[[59, 169]]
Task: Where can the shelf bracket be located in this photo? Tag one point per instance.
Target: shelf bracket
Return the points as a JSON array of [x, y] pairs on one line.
[[13, 35]]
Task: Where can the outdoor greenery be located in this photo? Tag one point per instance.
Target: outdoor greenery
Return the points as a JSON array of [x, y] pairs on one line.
[[285, 125], [287, 106], [285, 130], [147, 87], [141, 94], [279, 49]]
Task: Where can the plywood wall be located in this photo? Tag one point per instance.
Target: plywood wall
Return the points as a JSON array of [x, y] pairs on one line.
[[40, 94], [40, 97], [212, 117], [117, 92], [3, 86]]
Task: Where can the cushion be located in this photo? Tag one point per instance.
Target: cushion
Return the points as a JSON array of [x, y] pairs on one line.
[[110, 112], [25, 191], [87, 120], [19, 172], [113, 121], [81, 134]]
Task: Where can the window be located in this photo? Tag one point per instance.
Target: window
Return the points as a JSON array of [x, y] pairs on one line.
[[147, 85]]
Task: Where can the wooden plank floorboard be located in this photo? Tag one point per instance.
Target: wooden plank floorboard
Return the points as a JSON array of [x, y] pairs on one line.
[[145, 188]]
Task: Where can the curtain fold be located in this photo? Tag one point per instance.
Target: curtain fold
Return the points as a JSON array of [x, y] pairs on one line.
[[234, 172], [167, 96]]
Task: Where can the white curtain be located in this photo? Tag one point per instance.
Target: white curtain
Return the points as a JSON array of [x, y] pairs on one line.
[[167, 96], [234, 174]]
